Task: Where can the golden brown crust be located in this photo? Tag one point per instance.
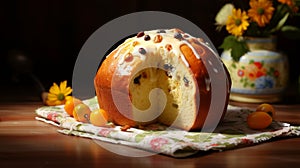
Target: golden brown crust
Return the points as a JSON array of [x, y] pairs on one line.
[[105, 81], [200, 73], [104, 86]]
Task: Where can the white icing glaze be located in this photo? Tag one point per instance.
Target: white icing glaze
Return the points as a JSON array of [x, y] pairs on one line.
[[152, 48], [184, 60], [120, 48]]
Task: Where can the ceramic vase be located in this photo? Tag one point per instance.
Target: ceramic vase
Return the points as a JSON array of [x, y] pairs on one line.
[[261, 75]]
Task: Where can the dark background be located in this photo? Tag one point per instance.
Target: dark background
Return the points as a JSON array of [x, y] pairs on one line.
[[50, 33]]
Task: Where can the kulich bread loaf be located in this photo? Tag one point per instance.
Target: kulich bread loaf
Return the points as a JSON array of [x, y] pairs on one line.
[[160, 76]]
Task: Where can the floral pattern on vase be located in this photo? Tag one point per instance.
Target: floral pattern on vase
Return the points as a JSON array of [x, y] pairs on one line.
[[258, 72], [256, 75]]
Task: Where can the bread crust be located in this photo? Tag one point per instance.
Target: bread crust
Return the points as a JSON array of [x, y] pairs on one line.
[[107, 81]]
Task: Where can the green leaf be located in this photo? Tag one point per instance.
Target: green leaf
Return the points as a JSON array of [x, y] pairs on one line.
[[281, 23], [237, 47], [291, 32], [228, 42]]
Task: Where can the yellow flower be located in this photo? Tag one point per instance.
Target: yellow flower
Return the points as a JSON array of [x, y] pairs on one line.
[[58, 95], [237, 23], [261, 11]]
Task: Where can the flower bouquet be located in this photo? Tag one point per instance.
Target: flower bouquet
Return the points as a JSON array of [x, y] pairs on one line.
[[258, 71], [255, 18]]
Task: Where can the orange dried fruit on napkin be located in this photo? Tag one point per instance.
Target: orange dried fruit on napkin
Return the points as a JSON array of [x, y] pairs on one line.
[[99, 117], [259, 120], [266, 108], [82, 113], [70, 104]]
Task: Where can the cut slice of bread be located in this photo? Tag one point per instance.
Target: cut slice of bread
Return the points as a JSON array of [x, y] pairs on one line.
[[158, 76]]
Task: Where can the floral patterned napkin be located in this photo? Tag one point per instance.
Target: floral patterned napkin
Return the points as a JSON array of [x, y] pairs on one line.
[[231, 133]]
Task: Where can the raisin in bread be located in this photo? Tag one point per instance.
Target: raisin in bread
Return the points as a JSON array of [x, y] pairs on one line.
[[160, 76]]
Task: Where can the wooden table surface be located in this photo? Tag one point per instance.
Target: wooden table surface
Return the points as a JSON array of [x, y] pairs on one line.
[[26, 142]]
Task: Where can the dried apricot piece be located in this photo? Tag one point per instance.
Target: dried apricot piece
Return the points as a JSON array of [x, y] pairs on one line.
[[70, 104], [82, 113], [259, 120], [98, 117], [266, 108]]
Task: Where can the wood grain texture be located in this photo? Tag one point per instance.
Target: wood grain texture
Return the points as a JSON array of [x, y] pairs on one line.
[[26, 142]]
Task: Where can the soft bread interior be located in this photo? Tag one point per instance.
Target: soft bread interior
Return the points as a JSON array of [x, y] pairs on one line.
[[176, 106]]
